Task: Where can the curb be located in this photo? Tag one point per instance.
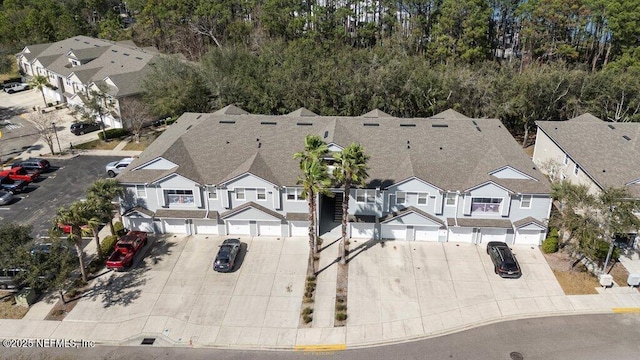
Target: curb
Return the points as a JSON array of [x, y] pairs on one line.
[[319, 348]]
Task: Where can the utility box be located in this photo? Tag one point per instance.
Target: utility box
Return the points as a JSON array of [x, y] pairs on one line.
[[26, 297], [606, 280], [633, 280]]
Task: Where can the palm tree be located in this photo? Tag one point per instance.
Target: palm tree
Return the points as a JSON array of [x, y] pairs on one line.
[[102, 211], [76, 215], [350, 169], [40, 82], [314, 180], [106, 190]]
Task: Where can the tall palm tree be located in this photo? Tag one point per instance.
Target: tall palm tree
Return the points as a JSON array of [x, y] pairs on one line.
[[76, 216], [106, 190], [40, 82], [314, 180], [102, 212], [350, 169]]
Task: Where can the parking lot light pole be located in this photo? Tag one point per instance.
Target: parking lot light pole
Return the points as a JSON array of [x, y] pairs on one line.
[[55, 131]]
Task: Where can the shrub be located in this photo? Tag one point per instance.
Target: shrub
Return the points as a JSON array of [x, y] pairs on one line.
[[307, 311], [308, 294], [113, 133], [340, 316], [107, 244], [341, 307], [307, 318], [550, 245], [602, 249], [311, 278], [311, 287], [307, 300], [118, 228], [553, 233], [319, 241]]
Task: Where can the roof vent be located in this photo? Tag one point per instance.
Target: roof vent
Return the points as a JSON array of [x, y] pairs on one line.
[[326, 134], [474, 122], [125, 54], [227, 122], [304, 124], [86, 42], [371, 124], [604, 171], [440, 147], [189, 127], [611, 127], [198, 117], [259, 145], [477, 128], [268, 123], [408, 146], [407, 125], [139, 58], [439, 125], [112, 50], [76, 39], [626, 137]]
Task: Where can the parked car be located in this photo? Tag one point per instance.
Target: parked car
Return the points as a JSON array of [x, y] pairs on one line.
[[7, 277], [81, 128], [5, 197], [33, 164], [226, 257], [126, 249], [86, 229], [15, 87], [504, 262], [115, 167], [12, 186], [19, 173]]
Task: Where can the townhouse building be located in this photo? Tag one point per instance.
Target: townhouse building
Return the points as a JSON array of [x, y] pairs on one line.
[[443, 178]]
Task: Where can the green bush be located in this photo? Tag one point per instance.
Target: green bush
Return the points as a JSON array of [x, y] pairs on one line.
[[118, 228], [307, 318], [550, 245], [113, 133], [341, 307], [107, 244], [602, 249], [307, 311], [170, 121], [340, 316], [553, 233]]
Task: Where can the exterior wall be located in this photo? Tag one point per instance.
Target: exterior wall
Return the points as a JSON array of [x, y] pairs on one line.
[[159, 164], [509, 173], [412, 189], [373, 208], [539, 210], [485, 191]]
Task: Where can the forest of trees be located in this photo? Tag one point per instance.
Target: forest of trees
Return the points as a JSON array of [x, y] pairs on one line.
[[517, 60]]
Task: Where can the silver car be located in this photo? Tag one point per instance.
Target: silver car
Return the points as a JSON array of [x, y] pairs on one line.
[[116, 167], [5, 197]]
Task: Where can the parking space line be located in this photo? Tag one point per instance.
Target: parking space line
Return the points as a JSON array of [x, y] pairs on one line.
[[624, 310], [328, 347]]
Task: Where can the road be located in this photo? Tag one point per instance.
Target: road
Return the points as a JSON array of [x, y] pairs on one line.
[[60, 187], [584, 337]]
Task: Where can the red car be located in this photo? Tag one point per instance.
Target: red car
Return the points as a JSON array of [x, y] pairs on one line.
[[86, 229], [126, 249], [18, 173]]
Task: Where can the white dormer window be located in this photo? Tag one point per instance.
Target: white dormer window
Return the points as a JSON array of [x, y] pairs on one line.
[[565, 160], [423, 198], [576, 168], [366, 196], [240, 194], [261, 194], [213, 193], [451, 199], [401, 197], [294, 194], [525, 202], [141, 191]]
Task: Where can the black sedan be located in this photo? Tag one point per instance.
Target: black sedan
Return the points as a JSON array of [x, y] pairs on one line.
[[504, 262], [12, 186], [226, 255], [82, 128]]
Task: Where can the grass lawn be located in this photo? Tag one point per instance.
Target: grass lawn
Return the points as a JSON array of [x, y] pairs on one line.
[[8, 308], [145, 140], [98, 145], [576, 283]]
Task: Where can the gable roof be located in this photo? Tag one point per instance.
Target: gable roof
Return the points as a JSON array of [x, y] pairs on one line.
[[248, 205], [609, 153], [411, 209], [213, 148], [449, 114]]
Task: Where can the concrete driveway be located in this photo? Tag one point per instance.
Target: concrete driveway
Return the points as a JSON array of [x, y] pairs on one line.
[[174, 291], [408, 289]]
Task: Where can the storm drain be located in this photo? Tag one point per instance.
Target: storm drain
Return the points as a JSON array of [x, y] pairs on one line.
[[516, 356], [148, 341]]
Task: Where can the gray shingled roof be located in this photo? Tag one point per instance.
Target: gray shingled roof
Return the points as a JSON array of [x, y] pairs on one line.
[[528, 220], [214, 148], [600, 148], [489, 223]]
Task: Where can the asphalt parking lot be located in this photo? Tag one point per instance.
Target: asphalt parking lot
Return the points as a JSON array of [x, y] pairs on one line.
[[66, 183]]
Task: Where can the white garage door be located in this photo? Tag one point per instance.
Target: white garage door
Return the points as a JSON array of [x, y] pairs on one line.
[[528, 237], [398, 232], [174, 226], [238, 227], [141, 224], [269, 228], [487, 235], [460, 235], [362, 231], [426, 233], [299, 228], [206, 226]]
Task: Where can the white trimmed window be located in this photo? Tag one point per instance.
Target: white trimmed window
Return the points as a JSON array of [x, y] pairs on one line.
[[294, 194], [401, 197], [213, 193], [451, 199], [565, 160], [365, 196], [141, 191], [179, 197], [240, 194], [423, 198], [485, 205], [525, 202], [261, 194], [576, 168]]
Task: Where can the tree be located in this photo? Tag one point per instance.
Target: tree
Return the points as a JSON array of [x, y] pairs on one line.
[[96, 106], [135, 114], [77, 215], [13, 236], [105, 190], [350, 169], [314, 181], [40, 82], [44, 124]]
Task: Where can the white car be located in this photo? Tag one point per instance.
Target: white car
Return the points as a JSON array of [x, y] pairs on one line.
[[15, 87], [114, 168]]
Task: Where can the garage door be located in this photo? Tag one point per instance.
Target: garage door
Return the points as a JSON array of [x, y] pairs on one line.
[[206, 226], [238, 228], [174, 226], [299, 228], [460, 235], [394, 232], [528, 237], [362, 231], [141, 224], [426, 233], [487, 235], [269, 228]]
